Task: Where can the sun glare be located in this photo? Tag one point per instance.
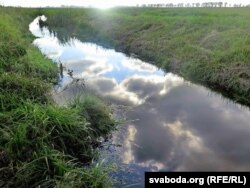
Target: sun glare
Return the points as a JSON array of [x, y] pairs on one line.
[[104, 5]]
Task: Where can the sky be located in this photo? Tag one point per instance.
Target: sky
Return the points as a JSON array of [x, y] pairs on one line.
[[106, 3]]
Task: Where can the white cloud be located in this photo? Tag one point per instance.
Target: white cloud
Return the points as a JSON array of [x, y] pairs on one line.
[[171, 81], [192, 141], [138, 65], [128, 156]]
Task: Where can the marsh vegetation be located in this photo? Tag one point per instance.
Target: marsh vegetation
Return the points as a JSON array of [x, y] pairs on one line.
[[43, 144]]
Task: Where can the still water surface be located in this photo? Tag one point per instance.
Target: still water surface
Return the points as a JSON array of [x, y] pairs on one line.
[[172, 124]]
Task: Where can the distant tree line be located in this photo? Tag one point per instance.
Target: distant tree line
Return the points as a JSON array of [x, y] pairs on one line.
[[206, 4]]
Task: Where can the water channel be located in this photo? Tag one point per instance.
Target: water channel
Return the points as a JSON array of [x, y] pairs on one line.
[[171, 124]]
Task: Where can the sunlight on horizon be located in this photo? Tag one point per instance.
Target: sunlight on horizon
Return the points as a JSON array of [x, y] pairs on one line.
[[105, 5]]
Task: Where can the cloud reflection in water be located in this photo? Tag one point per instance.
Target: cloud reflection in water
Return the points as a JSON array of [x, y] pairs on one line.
[[180, 126]]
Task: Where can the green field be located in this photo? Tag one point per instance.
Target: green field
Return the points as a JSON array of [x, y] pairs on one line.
[[43, 144], [209, 46]]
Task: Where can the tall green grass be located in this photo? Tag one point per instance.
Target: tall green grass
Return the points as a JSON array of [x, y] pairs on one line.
[[97, 113], [42, 144], [210, 46]]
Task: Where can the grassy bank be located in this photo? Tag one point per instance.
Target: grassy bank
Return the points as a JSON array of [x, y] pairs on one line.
[[207, 46], [42, 144]]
